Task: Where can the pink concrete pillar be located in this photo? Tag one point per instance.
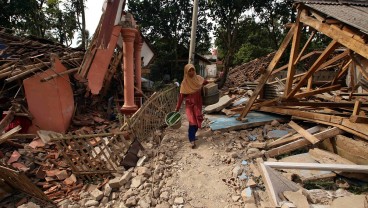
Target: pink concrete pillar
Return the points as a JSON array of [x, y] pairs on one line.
[[138, 63], [129, 106]]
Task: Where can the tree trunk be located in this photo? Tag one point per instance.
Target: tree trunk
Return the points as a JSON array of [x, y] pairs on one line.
[[84, 39]]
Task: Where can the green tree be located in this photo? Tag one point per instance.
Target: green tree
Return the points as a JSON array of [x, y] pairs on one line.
[[228, 15], [52, 19], [167, 26]]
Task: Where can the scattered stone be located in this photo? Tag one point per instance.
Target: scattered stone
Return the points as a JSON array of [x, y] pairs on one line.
[[179, 200], [64, 204], [29, 205], [107, 190], [97, 194], [136, 182], [143, 203], [61, 175], [356, 201], [125, 178], [235, 198], [114, 195], [132, 201], [104, 200], [144, 171], [247, 195], [251, 183], [164, 195], [91, 203], [250, 205], [275, 123], [297, 198], [163, 205], [115, 183], [251, 151], [237, 171]]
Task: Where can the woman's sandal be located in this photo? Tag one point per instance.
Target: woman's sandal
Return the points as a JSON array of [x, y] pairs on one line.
[[192, 145]]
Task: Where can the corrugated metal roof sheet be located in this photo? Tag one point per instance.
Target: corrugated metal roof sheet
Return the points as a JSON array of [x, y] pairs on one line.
[[356, 16], [336, 2]]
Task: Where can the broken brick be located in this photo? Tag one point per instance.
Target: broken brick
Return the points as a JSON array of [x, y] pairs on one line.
[[61, 175], [37, 143], [14, 157]]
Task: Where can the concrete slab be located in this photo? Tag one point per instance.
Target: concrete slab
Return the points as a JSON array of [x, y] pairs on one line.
[[253, 119]]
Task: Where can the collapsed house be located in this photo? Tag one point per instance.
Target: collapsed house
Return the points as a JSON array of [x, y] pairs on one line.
[[324, 95], [51, 95], [323, 89]]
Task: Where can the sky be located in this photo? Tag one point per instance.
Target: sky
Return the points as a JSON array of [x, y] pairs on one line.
[[93, 13]]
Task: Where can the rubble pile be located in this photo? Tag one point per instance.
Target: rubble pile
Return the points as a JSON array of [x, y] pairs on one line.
[[247, 72]]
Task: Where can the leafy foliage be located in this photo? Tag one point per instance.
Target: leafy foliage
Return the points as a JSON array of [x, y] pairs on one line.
[[167, 26], [50, 19]]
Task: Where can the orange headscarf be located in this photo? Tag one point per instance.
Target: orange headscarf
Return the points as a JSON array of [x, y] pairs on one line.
[[190, 84]]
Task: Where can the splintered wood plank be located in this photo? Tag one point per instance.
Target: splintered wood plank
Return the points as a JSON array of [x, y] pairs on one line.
[[275, 183], [356, 108], [302, 142], [9, 134], [312, 139], [291, 137], [357, 129], [314, 166], [6, 120]]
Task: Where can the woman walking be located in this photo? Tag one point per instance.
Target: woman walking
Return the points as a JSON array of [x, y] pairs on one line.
[[190, 90]]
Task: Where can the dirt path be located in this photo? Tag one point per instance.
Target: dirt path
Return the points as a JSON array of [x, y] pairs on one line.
[[198, 174]]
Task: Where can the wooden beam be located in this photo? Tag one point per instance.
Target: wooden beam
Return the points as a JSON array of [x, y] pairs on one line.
[[267, 73], [360, 67], [300, 143], [305, 46], [312, 139], [316, 166], [343, 70], [358, 119], [59, 74], [9, 134], [317, 91], [267, 182], [310, 84], [301, 59], [330, 48], [294, 53], [342, 37], [6, 120], [290, 138], [360, 130], [356, 108], [322, 104], [334, 59]]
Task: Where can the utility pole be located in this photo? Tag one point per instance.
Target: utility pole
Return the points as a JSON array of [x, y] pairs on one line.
[[193, 33]]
